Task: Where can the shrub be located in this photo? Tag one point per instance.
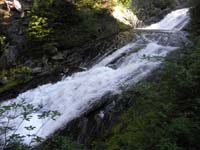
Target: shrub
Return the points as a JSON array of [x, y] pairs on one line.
[[38, 28], [9, 138], [40, 5], [59, 142], [126, 3]]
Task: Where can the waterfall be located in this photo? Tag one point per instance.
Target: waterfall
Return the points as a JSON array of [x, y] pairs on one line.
[[81, 91], [175, 20]]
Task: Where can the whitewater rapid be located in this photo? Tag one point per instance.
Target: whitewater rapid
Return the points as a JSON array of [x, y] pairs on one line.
[[175, 20], [78, 93]]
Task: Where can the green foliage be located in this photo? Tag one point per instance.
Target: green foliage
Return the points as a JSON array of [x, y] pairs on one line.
[[77, 27], [59, 142], [11, 140], [126, 3], [98, 3], [165, 112], [15, 76], [68, 24], [41, 5], [87, 3], [23, 110], [38, 28]]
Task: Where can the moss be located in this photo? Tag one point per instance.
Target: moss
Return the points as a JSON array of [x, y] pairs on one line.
[[14, 76], [59, 142], [9, 85]]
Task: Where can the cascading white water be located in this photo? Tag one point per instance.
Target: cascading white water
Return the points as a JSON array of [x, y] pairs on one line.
[[175, 20], [76, 94]]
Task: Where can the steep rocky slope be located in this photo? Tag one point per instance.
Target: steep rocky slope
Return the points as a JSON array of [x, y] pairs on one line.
[[63, 37]]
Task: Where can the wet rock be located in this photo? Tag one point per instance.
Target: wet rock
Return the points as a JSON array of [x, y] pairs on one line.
[[29, 63], [159, 15], [50, 48], [65, 70], [12, 53], [37, 70], [59, 56], [3, 81], [181, 3], [9, 56]]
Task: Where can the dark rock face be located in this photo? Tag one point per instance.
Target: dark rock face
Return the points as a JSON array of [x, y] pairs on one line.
[[94, 123], [9, 56], [181, 3], [91, 125], [151, 11]]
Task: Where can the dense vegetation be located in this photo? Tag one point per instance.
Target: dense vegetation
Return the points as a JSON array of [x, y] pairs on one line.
[[165, 112]]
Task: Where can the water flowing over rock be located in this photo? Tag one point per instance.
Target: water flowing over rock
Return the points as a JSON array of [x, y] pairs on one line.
[[112, 73]]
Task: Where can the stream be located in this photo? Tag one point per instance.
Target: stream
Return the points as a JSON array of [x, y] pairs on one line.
[[110, 74]]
